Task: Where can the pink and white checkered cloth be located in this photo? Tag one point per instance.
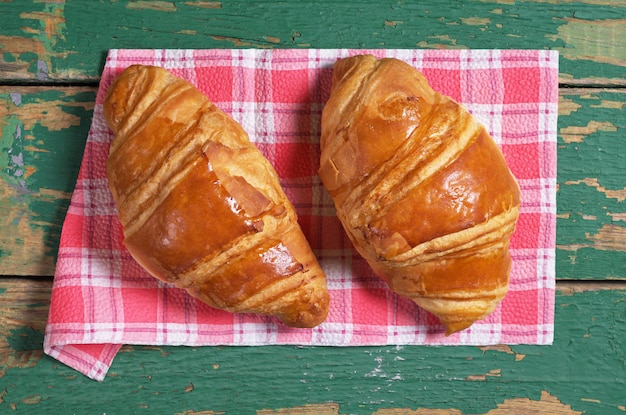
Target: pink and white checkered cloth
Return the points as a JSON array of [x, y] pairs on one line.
[[102, 299]]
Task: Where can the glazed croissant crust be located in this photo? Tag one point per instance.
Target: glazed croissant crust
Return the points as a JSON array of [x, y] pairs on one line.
[[201, 207], [421, 189]]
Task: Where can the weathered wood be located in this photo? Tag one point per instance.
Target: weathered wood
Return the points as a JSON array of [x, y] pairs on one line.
[[24, 306], [44, 130], [43, 137], [591, 225], [583, 372], [44, 41]]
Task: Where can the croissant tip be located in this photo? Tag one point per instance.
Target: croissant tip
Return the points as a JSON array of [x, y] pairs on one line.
[[303, 322], [456, 326], [312, 315]]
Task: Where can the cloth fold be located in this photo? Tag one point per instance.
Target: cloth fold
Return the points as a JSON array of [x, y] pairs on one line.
[[102, 299]]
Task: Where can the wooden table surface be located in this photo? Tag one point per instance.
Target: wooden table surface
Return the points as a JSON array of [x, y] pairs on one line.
[[51, 57]]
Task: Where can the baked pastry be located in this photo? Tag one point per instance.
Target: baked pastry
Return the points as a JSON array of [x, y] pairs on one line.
[[422, 190], [201, 207]]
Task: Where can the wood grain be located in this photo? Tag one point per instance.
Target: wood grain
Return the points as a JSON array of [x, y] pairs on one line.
[[591, 225], [43, 136], [584, 370], [44, 130], [51, 57], [53, 41]]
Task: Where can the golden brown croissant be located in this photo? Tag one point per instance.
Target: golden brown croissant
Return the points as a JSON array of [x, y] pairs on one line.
[[420, 187], [201, 207]]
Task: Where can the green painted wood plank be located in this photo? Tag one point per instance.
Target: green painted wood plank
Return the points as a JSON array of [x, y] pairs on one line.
[[591, 226], [583, 372], [68, 40], [43, 134], [44, 130]]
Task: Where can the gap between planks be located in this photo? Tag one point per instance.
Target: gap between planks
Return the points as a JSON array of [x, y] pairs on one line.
[[564, 84], [565, 287]]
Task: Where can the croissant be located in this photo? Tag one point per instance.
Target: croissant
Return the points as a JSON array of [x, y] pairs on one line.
[[201, 207], [421, 189]]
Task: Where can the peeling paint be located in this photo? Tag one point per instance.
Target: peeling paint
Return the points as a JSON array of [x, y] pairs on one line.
[[475, 21], [311, 409], [491, 373], [420, 411], [393, 23], [600, 41], [43, 73], [449, 43], [610, 238], [51, 19], [576, 134], [567, 106], [30, 199], [617, 105], [618, 216], [272, 39], [51, 30], [504, 349], [16, 98], [434, 377], [18, 47], [547, 404], [498, 348], [589, 217], [205, 4], [38, 61], [551, 27], [32, 400], [161, 6], [22, 321], [618, 194], [592, 2], [11, 155], [53, 115]]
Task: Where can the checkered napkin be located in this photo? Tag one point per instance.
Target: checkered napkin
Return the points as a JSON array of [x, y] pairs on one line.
[[102, 299]]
